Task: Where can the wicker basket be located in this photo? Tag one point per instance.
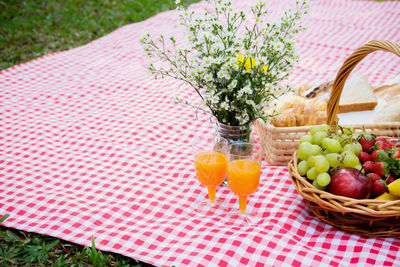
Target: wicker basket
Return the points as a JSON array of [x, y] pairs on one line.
[[279, 143], [367, 217]]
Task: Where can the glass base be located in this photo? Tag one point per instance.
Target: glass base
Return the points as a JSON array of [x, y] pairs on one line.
[[247, 219], [208, 209]]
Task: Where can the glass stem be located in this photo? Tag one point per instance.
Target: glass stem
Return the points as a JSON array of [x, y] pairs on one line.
[[242, 204], [211, 195]]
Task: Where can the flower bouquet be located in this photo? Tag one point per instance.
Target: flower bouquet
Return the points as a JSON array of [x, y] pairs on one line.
[[234, 60]]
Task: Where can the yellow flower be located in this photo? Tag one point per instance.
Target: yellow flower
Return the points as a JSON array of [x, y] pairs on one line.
[[248, 63], [240, 59], [264, 68]]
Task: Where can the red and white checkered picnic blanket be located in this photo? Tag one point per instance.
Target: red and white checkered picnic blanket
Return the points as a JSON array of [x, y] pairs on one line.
[[92, 145]]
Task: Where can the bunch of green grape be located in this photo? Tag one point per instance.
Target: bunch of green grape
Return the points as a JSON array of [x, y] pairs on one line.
[[323, 151]]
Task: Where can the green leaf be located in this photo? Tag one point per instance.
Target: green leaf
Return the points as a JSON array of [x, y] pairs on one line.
[[375, 147], [367, 137], [383, 156], [93, 246], [4, 217], [11, 237], [392, 165], [52, 244]]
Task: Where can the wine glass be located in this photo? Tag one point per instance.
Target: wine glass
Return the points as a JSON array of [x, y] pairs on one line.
[[210, 159], [243, 175]]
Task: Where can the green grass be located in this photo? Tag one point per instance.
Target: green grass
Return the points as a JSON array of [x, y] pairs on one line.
[[30, 29], [18, 248]]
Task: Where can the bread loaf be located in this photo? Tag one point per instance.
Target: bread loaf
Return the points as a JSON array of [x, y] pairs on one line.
[[296, 110]]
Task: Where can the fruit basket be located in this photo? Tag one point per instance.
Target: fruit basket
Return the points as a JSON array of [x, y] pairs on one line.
[[279, 143], [366, 217]]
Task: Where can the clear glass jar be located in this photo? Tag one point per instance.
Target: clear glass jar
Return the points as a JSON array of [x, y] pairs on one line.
[[235, 134]]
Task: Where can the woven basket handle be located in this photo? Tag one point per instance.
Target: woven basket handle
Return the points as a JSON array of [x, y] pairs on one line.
[[348, 65]]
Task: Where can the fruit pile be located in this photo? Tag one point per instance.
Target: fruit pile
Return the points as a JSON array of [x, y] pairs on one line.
[[346, 164]]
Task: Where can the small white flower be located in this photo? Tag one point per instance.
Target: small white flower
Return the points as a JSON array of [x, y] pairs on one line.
[[278, 45], [214, 99], [224, 105], [177, 2], [243, 118], [250, 102], [223, 74], [247, 90], [240, 93], [207, 61], [232, 84]]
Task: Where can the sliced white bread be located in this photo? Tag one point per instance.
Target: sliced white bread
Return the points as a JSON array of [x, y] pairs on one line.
[[390, 113], [388, 92], [357, 95]]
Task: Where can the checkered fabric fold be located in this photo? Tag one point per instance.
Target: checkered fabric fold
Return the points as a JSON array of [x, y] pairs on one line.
[[92, 145]]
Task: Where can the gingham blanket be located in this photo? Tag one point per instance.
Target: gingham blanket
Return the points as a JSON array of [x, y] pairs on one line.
[[92, 145]]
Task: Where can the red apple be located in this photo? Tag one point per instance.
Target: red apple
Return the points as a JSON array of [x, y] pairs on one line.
[[350, 182]]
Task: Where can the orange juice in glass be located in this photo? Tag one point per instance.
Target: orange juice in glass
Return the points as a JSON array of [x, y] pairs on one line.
[[210, 170], [210, 160], [243, 175]]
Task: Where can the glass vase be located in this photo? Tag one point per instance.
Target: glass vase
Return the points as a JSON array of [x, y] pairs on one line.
[[235, 134]]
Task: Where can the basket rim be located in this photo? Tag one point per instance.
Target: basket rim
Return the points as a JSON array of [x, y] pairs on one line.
[[355, 125], [370, 207]]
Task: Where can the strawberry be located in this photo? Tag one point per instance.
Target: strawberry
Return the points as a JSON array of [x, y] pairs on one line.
[[394, 142], [379, 168], [367, 142], [374, 155], [378, 187], [368, 166], [364, 156], [382, 144], [380, 138], [390, 179], [396, 154], [378, 155], [374, 176]]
